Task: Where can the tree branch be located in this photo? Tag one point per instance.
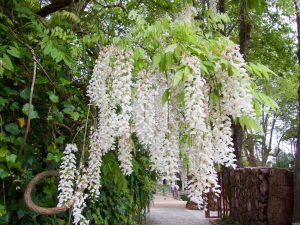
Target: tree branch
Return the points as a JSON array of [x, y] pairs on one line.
[[55, 5]]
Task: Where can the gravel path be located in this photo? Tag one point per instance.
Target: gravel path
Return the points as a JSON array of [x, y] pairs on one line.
[[169, 211]]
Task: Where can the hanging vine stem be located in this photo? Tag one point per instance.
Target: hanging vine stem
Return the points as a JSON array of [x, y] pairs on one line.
[[84, 138], [53, 173], [30, 105], [41, 210]]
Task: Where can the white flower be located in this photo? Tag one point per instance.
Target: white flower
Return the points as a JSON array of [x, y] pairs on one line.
[[99, 94], [200, 152], [79, 201], [236, 98], [144, 108], [67, 174], [171, 158], [94, 165], [124, 155], [121, 96], [222, 139], [156, 149]]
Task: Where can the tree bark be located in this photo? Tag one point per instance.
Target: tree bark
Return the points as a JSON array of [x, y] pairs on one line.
[[249, 151], [238, 136], [244, 29], [244, 36], [296, 213], [221, 6]]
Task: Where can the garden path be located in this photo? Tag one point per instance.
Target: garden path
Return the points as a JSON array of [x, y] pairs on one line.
[[169, 211]]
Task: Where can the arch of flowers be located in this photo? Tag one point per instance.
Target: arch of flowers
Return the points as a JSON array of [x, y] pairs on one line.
[[177, 88]]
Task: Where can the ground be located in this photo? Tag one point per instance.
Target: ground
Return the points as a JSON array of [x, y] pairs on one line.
[[169, 211]]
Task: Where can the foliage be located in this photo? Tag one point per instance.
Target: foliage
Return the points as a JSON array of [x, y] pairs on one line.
[[284, 160], [64, 47]]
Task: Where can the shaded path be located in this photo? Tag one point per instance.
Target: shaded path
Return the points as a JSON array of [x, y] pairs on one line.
[[170, 211]]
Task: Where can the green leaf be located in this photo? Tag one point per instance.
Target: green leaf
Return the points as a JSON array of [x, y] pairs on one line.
[[25, 110], [156, 59], [25, 93], [3, 152], [230, 70], [75, 115], [180, 96], [64, 81], [163, 62], [12, 128], [187, 71], [14, 106], [7, 63], [54, 98], [3, 101], [14, 52], [11, 158], [165, 96], [3, 173], [257, 108], [68, 108], [266, 100], [250, 124], [41, 80], [203, 68], [178, 77], [138, 52]]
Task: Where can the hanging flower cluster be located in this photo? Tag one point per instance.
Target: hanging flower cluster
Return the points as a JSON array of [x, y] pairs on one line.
[[196, 116], [94, 165], [69, 179], [144, 108], [145, 101], [67, 173], [110, 91], [79, 200], [156, 148]]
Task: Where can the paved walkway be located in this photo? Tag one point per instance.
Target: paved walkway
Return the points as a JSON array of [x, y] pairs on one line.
[[168, 211]]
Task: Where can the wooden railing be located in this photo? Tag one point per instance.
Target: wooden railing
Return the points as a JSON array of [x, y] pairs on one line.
[[217, 205]]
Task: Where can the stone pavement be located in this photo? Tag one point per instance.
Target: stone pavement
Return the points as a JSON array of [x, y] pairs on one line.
[[169, 211]]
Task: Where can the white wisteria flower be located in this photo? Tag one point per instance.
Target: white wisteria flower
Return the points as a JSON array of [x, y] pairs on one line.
[[94, 165], [156, 149], [222, 139], [124, 155], [144, 108], [67, 173], [236, 98], [196, 115], [79, 200]]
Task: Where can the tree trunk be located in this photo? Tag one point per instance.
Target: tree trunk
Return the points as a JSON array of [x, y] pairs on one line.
[[238, 136], [244, 29], [249, 151], [296, 213], [244, 35]]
